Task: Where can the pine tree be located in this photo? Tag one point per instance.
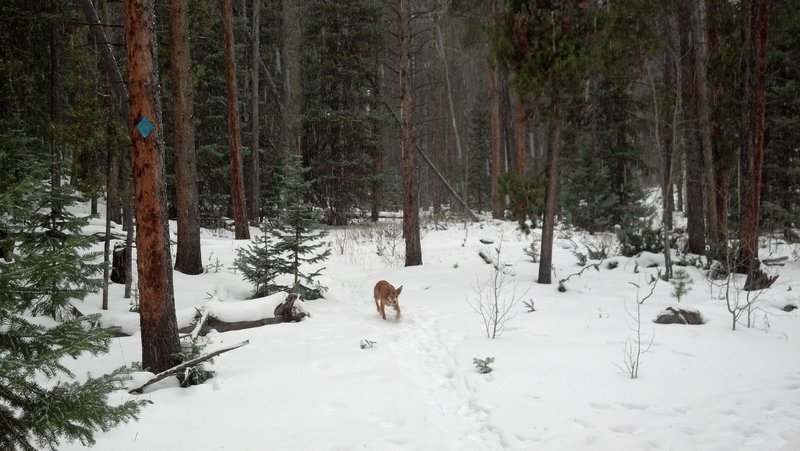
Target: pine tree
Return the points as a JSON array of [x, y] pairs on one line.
[[341, 110], [260, 263], [64, 272], [297, 232], [681, 284], [290, 242], [781, 211], [33, 415], [478, 156]]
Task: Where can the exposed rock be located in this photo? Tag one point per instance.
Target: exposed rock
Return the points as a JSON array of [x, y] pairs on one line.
[[679, 315], [789, 307]]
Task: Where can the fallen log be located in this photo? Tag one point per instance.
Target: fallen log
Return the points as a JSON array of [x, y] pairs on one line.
[[188, 364], [778, 261]]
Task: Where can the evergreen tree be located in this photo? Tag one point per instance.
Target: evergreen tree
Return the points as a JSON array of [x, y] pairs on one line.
[[34, 415], [341, 109], [297, 232], [52, 244], [260, 263], [781, 210], [290, 243], [681, 284], [478, 156]]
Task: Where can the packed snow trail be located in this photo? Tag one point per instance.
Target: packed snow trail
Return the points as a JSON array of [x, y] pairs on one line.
[[422, 356]]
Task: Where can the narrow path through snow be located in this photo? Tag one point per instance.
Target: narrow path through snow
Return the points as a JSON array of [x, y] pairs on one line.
[[423, 357]]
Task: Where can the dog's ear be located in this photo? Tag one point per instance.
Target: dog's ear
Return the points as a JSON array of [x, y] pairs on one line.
[[399, 290]]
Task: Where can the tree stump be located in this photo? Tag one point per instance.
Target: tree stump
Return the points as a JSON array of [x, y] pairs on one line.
[[287, 312], [118, 261]]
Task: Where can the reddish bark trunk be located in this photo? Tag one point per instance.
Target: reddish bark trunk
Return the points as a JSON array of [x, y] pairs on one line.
[[157, 306], [241, 229], [755, 28], [188, 257]]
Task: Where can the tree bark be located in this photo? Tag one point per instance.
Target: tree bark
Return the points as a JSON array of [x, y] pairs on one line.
[[157, 306], [497, 206], [188, 257], [522, 118], [700, 52], [755, 27], [448, 85], [665, 135], [241, 229], [695, 218], [551, 191], [410, 176], [255, 154], [55, 98]]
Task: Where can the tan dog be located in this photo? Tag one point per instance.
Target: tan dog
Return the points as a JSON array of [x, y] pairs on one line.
[[385, 294]]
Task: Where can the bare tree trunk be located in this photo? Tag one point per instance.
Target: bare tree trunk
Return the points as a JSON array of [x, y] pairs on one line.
[[508, 155], [699, 47], [448, 85], [255, 154], [109, 64], [722, 171], [55, 98], [436, 146], [157, 305], [695, 218], [241, 229], [497, 206], [107, 241], [522, 118], [755, 27], [664, 137], [188, 257], [550, 195], [410, 182]]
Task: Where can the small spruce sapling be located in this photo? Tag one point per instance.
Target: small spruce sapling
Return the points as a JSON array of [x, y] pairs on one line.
[[483, 364], [681, 284]]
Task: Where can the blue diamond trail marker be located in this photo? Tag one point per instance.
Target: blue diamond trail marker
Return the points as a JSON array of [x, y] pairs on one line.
[[145, 127]]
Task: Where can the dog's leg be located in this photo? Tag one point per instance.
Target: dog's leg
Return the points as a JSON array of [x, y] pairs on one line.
[[383, 311]]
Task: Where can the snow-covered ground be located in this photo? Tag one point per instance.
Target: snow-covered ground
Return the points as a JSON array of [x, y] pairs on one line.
[[558, 381]]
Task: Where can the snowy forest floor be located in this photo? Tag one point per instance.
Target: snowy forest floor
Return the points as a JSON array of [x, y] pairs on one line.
[[558, 381]]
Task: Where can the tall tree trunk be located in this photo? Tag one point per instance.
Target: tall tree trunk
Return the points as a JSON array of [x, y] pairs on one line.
[[188, 257], [448, 84], [107, 240], [55, 97], [508, 154], [241, 229], [700, 52], [119, 87], [695, 218], [755, 27], [436, 147], [156, 302], [127, 218], [255, 154], [497, 204], [519, 141], [410, 182], [665, 138], [550, 194], [722, 170]]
